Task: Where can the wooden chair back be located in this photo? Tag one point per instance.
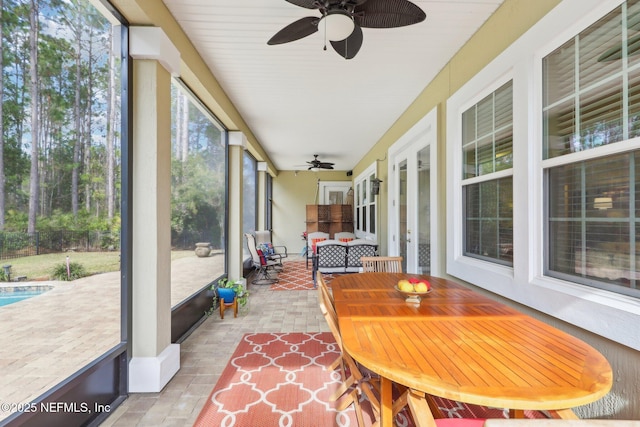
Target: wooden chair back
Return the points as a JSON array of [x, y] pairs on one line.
[[322, 286], [353, 373], [386, 264]]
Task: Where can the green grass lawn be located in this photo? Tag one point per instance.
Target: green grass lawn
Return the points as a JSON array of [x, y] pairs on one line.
[[39, 267]]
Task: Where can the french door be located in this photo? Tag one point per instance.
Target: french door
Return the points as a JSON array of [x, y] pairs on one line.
[[412, 197]]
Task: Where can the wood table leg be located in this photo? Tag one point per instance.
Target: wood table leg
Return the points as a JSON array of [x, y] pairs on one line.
[[386, 402], [516, 413], [563, 414]]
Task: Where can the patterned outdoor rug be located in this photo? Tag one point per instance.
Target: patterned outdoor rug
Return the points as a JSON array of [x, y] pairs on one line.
[[295, 276], [277, 380], [282, 380]]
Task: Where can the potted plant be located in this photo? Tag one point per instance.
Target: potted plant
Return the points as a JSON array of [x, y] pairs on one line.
[[228, 288]]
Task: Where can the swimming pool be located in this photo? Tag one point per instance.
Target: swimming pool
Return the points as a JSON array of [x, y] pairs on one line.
[[9, 295]]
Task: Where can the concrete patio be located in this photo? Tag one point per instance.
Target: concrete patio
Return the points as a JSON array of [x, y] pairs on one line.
[[48, 337]]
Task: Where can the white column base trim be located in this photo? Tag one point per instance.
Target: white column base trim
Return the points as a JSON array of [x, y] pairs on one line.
[[151, 374]]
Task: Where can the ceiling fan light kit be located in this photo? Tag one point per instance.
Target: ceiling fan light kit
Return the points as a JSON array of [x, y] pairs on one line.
[[342, 21], [336, 26]]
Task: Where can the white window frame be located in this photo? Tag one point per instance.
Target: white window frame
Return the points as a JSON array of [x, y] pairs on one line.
[[488, 177], [364, 179], [605, 313]]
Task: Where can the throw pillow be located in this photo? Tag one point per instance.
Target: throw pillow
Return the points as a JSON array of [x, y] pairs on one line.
[[314, 242], [263, 258], [270, 249]]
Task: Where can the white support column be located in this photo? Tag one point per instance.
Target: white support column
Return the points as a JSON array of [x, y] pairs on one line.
[[237, 144], [154, 359]]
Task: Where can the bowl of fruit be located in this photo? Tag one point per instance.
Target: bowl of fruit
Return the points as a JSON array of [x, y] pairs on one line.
[[413, 288]]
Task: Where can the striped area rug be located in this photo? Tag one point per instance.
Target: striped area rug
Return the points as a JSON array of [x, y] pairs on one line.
[[281, 379]]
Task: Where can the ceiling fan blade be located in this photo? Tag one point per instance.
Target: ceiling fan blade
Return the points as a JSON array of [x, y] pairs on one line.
[[349, 47], [307, 4], [319, 167], [388, 14], [296, 30]]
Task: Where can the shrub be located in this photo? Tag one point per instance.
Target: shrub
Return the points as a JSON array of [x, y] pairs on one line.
[[76, 271]]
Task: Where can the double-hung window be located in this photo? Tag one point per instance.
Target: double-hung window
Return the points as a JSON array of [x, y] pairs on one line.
[[487, 146], [591, 156]]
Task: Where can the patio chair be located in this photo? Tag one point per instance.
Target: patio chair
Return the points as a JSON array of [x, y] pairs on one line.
[[356, 249], [387, 264], [275, 252], [262, 265], [312, 240], [330, 257], [354, 375], [344, 236], [351, 375], [423, 409], [540, 422]]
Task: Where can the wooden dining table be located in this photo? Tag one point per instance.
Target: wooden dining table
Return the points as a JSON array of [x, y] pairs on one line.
[[461, 345]]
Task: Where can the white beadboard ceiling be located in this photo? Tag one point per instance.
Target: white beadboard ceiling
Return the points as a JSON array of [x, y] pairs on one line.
[[300, 100]]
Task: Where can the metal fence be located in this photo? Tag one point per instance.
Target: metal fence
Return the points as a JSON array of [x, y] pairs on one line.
[[17, 245]]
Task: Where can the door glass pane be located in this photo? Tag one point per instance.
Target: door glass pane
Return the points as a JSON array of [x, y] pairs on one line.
[[335, 197], [372, 218], [402, 204], [365, 200], [364, 219], [424, 211]]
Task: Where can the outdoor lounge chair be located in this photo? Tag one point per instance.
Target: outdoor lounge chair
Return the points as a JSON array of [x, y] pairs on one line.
[[274, 252], [264, 266]]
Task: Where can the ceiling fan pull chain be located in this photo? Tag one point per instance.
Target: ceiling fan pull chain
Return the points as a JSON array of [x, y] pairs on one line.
[[325, 34]]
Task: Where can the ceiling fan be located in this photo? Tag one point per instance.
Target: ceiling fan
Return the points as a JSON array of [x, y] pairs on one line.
[[342, 21], [317, 164]]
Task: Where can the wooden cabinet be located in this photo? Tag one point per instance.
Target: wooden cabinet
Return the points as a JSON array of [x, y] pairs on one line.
[[329, 218]]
